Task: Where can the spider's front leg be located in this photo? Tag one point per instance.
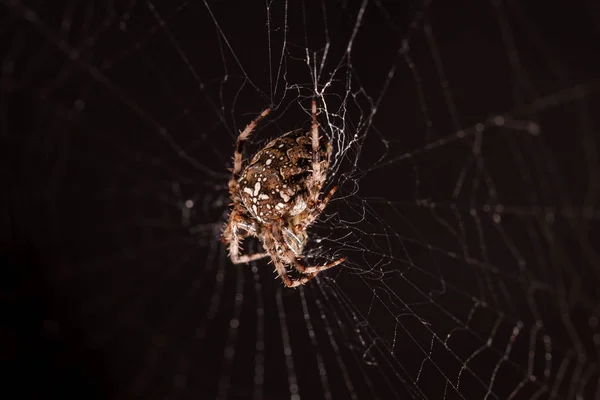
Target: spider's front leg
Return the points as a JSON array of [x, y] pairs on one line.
[[235, 238]]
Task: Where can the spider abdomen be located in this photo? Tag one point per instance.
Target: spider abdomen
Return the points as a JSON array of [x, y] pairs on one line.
[[275, 184]]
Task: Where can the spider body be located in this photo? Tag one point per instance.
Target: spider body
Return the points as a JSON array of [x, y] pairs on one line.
[[275, 185], [277, 196]]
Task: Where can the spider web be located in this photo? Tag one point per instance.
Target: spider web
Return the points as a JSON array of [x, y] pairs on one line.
[[465, 153]]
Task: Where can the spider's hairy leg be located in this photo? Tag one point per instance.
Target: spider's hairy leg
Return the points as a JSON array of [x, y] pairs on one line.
[[246, 258], [308, 272], [282, 273], [239, 146], [323, 203], [319, 268], [301, 281], [242, 137], [316, 166], [270, 242], [287, 281], [315, 208], [234, 239]]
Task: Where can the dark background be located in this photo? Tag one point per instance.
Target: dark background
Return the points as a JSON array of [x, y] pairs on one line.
[[110, 290]]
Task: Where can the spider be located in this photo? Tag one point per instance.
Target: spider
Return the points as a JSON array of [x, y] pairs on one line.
[[276, 197]]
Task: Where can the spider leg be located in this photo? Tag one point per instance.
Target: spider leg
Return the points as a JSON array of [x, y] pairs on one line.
[[315, 208], [316, 269], [282, 273], [239, 146], [287, 281], [246, 258], [323, 203], [301, 281], [309, 272], [235, 240], [317, 174]]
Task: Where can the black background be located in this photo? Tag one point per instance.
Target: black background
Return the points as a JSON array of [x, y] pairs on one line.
[[107, 294]]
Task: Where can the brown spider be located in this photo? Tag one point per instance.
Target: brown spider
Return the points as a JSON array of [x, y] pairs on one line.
[[276, 198]]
